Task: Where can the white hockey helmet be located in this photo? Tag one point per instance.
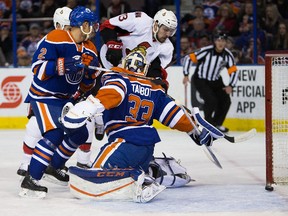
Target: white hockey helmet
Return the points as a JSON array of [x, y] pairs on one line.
[[167, 18], [61, 16]]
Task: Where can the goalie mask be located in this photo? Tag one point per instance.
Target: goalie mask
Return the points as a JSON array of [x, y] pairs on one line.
[[136, 62]]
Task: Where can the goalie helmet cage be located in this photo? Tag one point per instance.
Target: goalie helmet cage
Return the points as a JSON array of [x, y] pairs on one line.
[[276, 118]]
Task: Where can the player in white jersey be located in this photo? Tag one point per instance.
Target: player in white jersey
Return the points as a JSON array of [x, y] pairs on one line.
[[33, 133], [137, 30]]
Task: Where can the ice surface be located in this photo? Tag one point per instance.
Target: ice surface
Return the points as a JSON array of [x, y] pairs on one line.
[[237, 189]]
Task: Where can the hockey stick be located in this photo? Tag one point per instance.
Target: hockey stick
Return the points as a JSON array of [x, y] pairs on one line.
[[216, 133], [185, 95], [208, 151], [181, 57]]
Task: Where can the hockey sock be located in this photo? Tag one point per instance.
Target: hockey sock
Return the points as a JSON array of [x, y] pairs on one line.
[[69, 145], [41, 158]]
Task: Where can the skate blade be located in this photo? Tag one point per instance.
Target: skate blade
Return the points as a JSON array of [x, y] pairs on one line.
[[53, 180], [32, 194]]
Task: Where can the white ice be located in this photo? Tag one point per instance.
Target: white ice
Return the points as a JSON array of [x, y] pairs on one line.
[[237, 189]]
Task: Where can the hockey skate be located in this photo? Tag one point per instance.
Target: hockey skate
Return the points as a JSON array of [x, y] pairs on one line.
[[23, 170], [84, 166], [56, 176], [83, 159], [31, 188]]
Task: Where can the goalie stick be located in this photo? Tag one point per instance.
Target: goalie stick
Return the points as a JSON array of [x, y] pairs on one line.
[[216, 133], [208, 151]]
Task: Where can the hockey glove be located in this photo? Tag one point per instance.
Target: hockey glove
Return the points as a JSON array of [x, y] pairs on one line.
[[88, 60], [78, 96], [81, 112], [204, 138], [114, 52], [68, 65]]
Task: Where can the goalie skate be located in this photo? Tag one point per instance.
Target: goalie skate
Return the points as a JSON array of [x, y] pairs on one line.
[[56, 176], [31, 188], [149, 192]]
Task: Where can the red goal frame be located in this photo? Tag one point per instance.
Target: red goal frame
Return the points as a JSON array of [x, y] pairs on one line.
[[268, 114]]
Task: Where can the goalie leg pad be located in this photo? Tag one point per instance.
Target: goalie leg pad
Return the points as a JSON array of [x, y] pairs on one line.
[[99, 184]]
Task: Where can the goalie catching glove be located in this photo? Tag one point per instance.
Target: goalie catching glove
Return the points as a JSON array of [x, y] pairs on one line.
[[204, 138], [78, 114]]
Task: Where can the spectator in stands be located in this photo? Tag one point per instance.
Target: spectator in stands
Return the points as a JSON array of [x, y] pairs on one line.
[[4, 10], [235, 5], [242, 42], [244, 24], [230, 43], [247, 8], [189, 18], [30, 41], [280, 40], [225, 20], [185, 46], [47, 9], [271, 20], [117, 7], [210, 8], [205, 40], [23, 58], [6, 45], [197, 32], [240, 58], [250, 52], [282, 6]]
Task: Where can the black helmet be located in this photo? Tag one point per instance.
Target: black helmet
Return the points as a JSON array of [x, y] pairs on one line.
[[220, 35]]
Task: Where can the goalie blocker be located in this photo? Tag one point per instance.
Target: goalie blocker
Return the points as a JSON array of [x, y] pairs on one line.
[[113, 184]]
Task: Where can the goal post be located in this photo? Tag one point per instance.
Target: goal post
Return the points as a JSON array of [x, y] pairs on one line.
[[276, 118]]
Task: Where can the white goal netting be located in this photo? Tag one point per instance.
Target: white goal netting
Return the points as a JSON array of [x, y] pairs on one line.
[[279, 84]]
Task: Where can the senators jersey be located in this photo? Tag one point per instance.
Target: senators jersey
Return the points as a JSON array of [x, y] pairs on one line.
[[132, 103], [135, 29], [49, 87]]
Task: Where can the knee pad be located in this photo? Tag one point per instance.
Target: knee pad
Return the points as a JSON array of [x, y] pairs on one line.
[[78, 136], [55, 136]]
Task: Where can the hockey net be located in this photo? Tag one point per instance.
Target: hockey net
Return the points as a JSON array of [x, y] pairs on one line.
[[276, 119]]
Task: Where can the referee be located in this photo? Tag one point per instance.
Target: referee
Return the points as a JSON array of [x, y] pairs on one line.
[[207, 80]]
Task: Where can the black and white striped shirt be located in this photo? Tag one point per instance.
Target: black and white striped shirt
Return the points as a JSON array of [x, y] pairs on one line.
[[210, 63]]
